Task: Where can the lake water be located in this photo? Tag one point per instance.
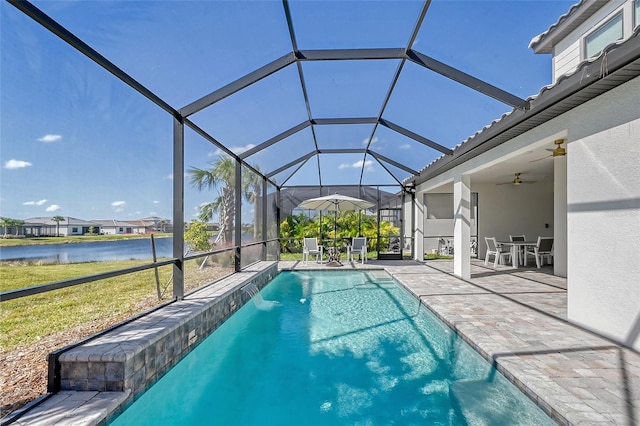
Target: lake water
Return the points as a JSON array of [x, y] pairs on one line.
[[91, 251]]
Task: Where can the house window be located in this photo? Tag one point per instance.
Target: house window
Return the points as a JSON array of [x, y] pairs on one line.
[[636, 14], [606, 34], [74, 230]]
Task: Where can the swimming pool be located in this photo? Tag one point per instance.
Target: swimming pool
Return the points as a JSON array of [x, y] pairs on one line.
[[339, 347]]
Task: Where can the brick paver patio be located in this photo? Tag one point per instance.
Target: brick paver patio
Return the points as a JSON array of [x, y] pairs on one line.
[[517, 319]]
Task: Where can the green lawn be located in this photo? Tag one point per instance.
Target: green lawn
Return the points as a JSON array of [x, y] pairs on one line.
[[25, 320]]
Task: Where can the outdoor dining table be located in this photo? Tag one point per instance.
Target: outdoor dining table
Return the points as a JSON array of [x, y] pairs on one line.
[[515, 245]]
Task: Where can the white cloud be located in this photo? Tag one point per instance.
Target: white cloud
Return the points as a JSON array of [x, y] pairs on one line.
[[234, 149], [53, 208], [405, 146], [239, 149], [365, 141], [118, 206], [368, 165], [156, 202], [50, 138], [16, 164], [34, 203]]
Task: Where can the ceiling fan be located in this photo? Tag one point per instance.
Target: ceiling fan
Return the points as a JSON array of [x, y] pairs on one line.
[[516, 181], [559, 151]]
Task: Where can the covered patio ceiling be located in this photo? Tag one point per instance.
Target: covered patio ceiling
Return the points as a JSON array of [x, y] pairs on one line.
[[324, 94]]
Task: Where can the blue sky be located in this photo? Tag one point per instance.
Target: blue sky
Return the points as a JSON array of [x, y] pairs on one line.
[[75, 141]]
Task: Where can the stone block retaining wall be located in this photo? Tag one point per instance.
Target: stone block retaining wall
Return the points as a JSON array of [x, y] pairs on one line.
[[134, 356]]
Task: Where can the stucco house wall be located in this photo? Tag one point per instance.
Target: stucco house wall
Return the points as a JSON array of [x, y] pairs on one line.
[[603, 203]]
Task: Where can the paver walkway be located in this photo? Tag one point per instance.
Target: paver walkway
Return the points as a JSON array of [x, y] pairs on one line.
[[517, 319]]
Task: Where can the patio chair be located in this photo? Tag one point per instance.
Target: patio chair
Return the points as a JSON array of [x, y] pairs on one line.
[[358, 246], [521, 250], [311, 247], [495, 250], [544, 247]]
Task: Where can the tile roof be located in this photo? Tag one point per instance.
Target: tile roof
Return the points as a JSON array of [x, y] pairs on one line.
[[577, 14]]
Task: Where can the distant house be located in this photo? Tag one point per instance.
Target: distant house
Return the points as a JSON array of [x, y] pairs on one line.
[[156, 224], [118, 227], [47, 227]]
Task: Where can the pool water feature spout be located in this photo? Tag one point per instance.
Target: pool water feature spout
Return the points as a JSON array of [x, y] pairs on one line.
[[261, 304]]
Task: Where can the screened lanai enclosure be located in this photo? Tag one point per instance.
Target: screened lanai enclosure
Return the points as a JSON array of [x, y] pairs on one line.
[[225, 116]]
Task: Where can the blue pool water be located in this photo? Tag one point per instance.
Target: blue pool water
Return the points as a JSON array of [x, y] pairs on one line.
[[340, 348]]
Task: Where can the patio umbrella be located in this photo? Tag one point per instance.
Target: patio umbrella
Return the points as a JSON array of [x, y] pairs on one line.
[[335, 203]]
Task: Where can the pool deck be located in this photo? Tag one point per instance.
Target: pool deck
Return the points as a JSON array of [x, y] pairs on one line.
[[517, 319]]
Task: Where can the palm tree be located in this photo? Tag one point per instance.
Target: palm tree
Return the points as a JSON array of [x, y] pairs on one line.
[[221, 176], [293, 229], [57, 220], [251, 188], [17, 223], [6, 223]]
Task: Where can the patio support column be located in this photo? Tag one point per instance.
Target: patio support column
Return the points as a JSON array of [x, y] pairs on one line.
[[462, 226], [560, 216], [412, 220], [408, 221], [418, 228], [238, 217], [263, 205], [178, 208], [402, 223], [277, 195]]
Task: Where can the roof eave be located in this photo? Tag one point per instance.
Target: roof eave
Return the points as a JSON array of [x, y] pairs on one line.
[[577, 14], [587, 82]]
